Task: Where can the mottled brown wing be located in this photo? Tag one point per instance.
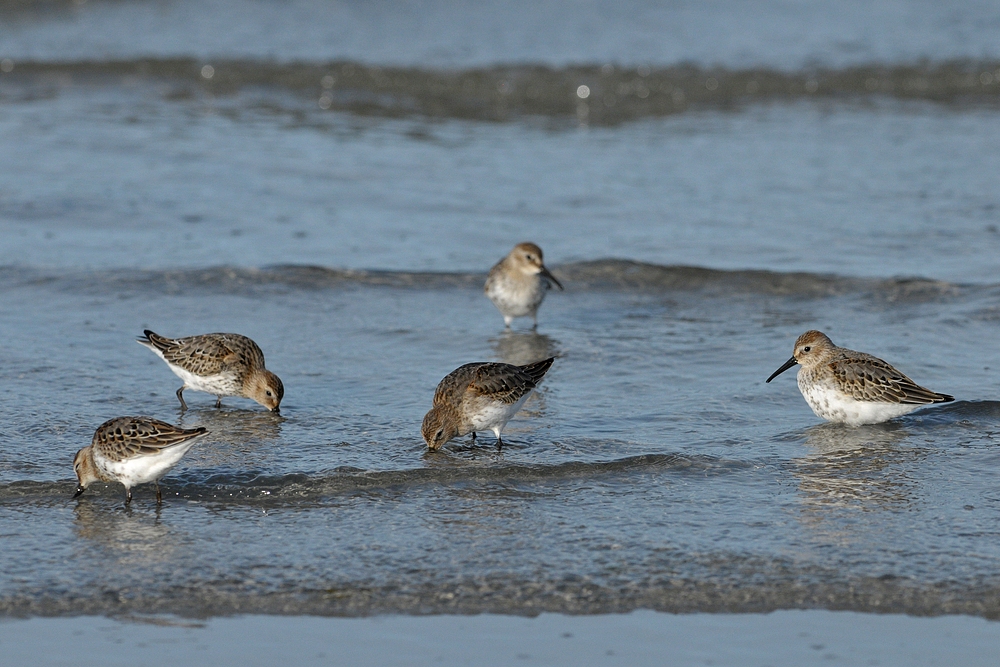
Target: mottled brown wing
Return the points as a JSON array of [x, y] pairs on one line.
[[871, 379], [209, 354], [537, 370], [450, 390], [124, 437], [507, 383]]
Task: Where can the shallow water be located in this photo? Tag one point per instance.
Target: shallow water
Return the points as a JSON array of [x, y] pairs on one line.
[[654, 468], [647, 472]]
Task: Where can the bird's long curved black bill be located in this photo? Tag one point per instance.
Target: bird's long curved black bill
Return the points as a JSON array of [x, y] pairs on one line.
[[551, 278], [788, 364], [79, 490]]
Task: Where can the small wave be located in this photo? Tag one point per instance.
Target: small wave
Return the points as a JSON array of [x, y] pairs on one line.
[[255, 486], [631, 275], [742, 585], [594, 94], [960, 411], [603, 274]]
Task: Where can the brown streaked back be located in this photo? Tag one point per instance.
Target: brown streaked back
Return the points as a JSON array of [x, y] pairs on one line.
[[505, 382], [122, 438], [537, 370], [868, 378], [208, 354]]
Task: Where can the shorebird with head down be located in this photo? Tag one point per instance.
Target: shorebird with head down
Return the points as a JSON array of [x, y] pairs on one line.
[[477, 397], [132, 450], [223, 364], [853, 388]]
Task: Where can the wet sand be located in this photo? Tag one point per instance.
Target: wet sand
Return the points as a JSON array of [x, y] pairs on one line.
[[793, 638]]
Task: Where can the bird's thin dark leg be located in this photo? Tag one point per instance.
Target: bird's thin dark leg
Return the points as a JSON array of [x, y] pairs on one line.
[[128, 497], [180, 397], [159, 498], [218, 401], [499, 443], [473, 436]]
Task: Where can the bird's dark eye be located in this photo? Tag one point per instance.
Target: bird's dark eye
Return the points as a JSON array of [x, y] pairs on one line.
[[529, 257], [806, 348], [268, 393], [437, 436]]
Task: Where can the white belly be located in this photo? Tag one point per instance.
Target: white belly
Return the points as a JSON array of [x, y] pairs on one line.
[[483, 414], [832, 405], [517, 298], [222, 384], [142, 469]]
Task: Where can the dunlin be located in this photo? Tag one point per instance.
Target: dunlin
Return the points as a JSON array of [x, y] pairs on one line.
[[132, 450], [477, 397], [517, 283], [853, 388], [223, 364]]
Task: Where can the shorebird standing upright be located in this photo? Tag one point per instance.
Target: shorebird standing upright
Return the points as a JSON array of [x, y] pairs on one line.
[[853, 388], [517, 283], [477, 397]]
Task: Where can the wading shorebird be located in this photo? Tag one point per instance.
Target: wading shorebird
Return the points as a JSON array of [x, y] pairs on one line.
[[853, 388], [223, 364], [132, 450], [517, 283], [477, 397]]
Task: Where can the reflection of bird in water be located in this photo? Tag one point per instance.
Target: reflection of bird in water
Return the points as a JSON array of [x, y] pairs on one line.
[[247, 424], [128, 538], [523, 347], [863, 467], [239, 436], [827, 438], [485, 512]]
